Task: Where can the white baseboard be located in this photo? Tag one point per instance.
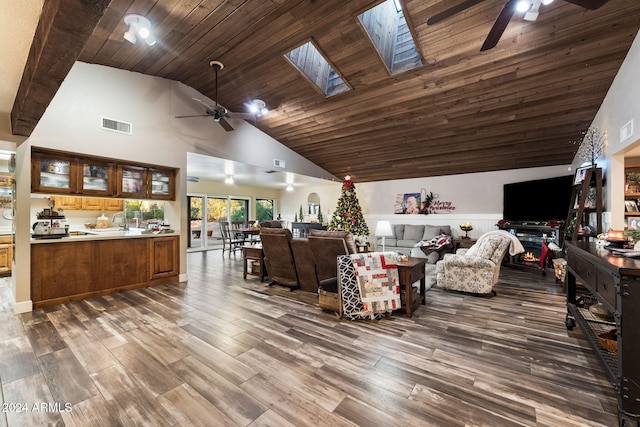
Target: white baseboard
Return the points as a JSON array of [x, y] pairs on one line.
[[22, 307], [183, 277]]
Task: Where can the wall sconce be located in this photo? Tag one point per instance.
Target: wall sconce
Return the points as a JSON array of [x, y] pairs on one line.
[[289, 187], [258, 107], [228, 179], [139, 26], [383, 229]]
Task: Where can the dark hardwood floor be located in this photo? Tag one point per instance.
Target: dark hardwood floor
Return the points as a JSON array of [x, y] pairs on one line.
[[222, 351]]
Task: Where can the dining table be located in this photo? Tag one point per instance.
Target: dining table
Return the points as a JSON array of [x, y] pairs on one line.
[[247, 233]]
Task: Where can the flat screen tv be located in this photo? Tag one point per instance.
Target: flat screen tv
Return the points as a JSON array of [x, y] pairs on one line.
[[538, 200]]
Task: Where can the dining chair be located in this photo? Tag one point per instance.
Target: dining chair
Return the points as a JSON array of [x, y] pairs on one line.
[[230, 242]]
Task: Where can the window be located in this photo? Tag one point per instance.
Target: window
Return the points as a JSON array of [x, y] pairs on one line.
[[238, 210], [387, 28], [310, 62], [264, 209]]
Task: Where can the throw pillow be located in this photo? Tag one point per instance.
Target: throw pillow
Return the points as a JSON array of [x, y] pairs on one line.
[[413, 232], [398, 231], [445, 229], [430, 231]]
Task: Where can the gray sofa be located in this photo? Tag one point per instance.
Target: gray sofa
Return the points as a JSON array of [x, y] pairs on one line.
[[406, 236]]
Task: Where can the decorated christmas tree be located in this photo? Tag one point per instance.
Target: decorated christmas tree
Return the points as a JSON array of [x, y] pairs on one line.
[[348, 214]]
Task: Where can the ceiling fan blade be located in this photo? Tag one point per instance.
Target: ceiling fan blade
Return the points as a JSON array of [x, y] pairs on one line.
[[452, 11], [589, 4], [197, 115], [499, 25], [225, 125], [208, 108], [242, 116]]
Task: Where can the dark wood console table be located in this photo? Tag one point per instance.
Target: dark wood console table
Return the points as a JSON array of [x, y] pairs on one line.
[[614, 280]]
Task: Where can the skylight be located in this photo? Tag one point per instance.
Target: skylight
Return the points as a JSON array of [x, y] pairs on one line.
[[387, 28], [313, 65]]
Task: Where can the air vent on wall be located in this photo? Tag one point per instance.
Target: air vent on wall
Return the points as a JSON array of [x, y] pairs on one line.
[[626, 131], [278, 163], [116, 125]]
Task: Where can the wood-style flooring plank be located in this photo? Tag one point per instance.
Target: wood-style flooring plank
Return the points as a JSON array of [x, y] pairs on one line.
[[67, 380], [231, 400]]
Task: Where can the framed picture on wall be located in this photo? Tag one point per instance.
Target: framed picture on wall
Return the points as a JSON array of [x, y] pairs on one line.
[[411, 203]]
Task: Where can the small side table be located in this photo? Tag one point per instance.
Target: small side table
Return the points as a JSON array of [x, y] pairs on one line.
[[409, 272], [252, 254], [461, 242]]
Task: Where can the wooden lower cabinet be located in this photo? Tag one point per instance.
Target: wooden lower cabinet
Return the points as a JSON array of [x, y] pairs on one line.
[[67, 271], [6, 255], [165, 259]]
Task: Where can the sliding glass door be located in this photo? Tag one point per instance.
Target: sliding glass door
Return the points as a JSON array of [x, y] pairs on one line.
[[205, 234]]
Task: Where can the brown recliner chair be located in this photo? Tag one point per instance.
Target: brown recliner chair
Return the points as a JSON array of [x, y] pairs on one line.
[[278, 256], [325, 248]]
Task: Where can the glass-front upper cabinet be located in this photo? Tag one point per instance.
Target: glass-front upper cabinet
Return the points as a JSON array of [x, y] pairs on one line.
[[54, 173], [132, 181], [162, 184], [96, 177]]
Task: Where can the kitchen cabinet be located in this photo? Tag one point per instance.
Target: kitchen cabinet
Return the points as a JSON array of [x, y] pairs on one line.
[[162, 184], [73, 270], [54, 173], [65, 173], [146, 182], [96, 177], [91, 204], [132, 181], [66, 203], [6, 255], [87, 204], [164, 257], [112, 205]]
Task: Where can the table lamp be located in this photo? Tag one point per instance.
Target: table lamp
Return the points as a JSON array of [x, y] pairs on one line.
[[383, 229]]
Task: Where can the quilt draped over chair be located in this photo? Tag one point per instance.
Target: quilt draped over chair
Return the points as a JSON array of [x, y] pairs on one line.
[[477, 269], [369, 284]]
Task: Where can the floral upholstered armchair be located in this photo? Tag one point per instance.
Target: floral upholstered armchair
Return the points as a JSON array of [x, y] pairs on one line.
[[476, 270]]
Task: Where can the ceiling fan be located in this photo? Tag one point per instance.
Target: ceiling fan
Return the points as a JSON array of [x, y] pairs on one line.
[[507, 12], [218, 112]]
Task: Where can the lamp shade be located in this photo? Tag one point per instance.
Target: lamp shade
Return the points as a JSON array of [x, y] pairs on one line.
[[383, 229]]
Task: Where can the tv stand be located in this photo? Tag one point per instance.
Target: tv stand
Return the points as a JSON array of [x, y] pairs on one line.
[[531, 237]]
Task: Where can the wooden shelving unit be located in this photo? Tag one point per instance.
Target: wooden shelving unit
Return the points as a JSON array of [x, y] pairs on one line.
[[586, 199]]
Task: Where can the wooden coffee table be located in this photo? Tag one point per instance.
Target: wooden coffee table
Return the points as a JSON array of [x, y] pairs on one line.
[[409, 272]]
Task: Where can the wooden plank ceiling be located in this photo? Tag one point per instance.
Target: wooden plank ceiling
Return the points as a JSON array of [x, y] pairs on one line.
[[518, 105]]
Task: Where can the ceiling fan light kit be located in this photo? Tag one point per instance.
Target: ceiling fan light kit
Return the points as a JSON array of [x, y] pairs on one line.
[[529, 7], [139, 26]]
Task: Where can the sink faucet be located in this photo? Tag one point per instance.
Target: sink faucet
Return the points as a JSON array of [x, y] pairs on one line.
[[123, 217]]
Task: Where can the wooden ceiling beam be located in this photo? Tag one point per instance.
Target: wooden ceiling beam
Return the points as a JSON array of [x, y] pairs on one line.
[[63, 29]]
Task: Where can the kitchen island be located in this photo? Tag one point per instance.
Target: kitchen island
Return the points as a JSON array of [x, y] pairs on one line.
[[100, 262]]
